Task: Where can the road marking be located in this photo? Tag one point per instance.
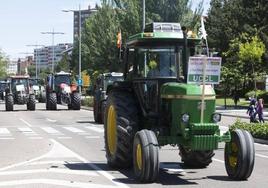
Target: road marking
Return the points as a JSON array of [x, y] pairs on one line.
[[64, 137], [218, 160], [88, 163], [74, 130], [36, 138], [96, 129], [50, 170], [53, 182], [9, 138], [4, 132], [51, 120], [260, 155], [51, 130], [84, 134], [27, 131], [50, 162], [26, 122], [91, 137]]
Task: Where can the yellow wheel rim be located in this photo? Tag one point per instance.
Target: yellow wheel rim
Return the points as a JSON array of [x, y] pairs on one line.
[[111, 129], [139, 156], [233, 155]]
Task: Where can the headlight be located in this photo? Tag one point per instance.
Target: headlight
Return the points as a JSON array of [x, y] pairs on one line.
[[216, 117], [185, 118]]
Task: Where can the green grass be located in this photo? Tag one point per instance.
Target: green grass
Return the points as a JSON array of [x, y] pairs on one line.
[[230, 102], [88, 101]]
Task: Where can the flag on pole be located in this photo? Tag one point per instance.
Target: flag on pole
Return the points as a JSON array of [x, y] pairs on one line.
[[119, 39], [203, 30]]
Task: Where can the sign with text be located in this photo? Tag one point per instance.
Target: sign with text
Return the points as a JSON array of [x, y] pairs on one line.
[[212, 70]]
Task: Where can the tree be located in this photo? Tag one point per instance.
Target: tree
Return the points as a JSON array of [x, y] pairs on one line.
[[63, 64], [251, 53], [3, 62]]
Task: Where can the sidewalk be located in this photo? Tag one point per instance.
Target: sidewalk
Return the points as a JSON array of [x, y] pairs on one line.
[[241, 113]]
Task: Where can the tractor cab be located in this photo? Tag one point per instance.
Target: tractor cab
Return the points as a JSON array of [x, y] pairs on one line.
[[155, 57]]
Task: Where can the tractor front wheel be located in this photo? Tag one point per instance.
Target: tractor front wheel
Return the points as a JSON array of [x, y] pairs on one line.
[[196, 159], [239, 155], [75, 101], [9, 100], [31, 103], [146, 156], [51, 103], [120, 126]]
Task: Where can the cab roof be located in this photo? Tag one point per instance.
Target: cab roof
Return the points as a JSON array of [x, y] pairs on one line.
[[158, 33], [20, 76]]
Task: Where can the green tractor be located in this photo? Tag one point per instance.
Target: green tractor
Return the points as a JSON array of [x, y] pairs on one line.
[[39, 89], [19, 92], [155, 106], [102, 84]]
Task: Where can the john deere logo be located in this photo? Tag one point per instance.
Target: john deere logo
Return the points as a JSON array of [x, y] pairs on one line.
[[199, 105]]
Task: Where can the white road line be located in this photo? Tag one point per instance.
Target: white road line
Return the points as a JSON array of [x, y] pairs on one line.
[[8, 138], [25, 122], [92, 137], [50, 170], [99, 170], [74, 130], [84, 134], [4, 132], [51, 130], [218, 160], [27, 131], [49, 162], [96, 129], [64, 137], [36, 138], [260, 155], [53, 182], [51, 120]]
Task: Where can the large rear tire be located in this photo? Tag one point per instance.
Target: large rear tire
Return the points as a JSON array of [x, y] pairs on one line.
[[120, 126], [239, 155], [196, 159], [51, 103], [9, 102], [31, 103], [75, 101], [146, 156]]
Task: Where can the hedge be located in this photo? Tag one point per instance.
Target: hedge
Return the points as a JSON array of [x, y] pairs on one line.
[[87, 102], [258, 130]]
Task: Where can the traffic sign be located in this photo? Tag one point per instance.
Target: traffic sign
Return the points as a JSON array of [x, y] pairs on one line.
[[212, 70], [80, 82]]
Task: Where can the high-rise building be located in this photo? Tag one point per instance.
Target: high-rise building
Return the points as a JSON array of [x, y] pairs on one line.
[[84, 15], [43, 57]]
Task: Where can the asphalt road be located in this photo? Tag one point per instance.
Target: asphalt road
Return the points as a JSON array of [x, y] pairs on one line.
[[65, 149]]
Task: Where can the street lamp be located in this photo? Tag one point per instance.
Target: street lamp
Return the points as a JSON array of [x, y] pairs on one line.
[[79, 53], [36, 59], [53, 33]]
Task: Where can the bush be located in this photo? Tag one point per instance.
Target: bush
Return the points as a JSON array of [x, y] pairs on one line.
[[88, 101], [251, 94], [257, 130]]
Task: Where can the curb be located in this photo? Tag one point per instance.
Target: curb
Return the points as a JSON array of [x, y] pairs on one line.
[[260, 141], [87, 108]]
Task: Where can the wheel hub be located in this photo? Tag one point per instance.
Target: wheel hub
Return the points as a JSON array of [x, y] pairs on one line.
[[111, 130]]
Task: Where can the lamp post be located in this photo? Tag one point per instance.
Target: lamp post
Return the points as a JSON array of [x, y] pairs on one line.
[[53, 33], [79, 45], [37, 58]]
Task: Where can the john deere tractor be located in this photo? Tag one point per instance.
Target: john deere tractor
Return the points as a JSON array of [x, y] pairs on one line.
[[60, 90], [103, 83], [19, 92], [155, 106]]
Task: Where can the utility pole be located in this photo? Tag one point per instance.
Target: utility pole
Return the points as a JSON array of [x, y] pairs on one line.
[[37, 58], [53, 33], [143, 17]]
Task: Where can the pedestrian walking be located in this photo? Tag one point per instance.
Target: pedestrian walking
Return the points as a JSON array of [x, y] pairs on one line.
[[259, 109], [252, 111]]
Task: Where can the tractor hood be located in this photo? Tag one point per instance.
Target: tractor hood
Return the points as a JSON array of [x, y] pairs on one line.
[[181, 90]]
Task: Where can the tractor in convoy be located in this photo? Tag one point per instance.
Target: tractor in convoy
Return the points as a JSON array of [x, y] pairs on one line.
[[103, 83], [19, 92], [60, 90], [3, 86], [39, 89], [155, 106]]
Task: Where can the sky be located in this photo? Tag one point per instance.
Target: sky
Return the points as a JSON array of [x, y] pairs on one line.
[[22, 21]]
